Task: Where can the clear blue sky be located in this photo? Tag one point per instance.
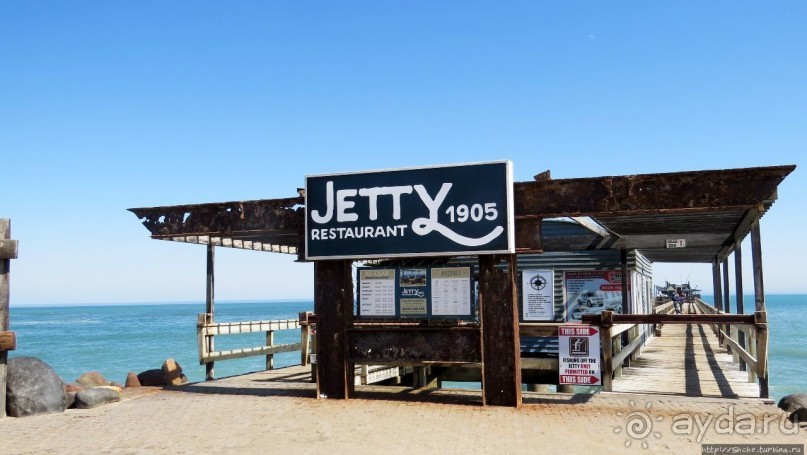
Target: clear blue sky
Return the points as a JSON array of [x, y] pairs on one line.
[[110, 105]]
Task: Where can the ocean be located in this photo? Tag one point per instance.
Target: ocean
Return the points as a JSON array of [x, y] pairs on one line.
[[116, 339]]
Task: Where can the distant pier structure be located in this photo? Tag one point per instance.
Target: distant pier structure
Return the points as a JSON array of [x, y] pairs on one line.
[[567, 234]]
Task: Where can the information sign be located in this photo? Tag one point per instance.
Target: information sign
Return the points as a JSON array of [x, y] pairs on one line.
[[579, 355]]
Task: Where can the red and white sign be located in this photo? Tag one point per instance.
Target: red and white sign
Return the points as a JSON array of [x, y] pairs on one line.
[[579, 355]]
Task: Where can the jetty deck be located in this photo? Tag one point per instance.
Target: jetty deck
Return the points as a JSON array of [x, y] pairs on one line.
[[686, 360]]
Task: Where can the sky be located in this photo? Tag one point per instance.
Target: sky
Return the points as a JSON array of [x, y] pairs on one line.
[[107, 105]]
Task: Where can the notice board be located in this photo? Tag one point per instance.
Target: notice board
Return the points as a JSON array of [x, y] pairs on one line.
[[416, 292]]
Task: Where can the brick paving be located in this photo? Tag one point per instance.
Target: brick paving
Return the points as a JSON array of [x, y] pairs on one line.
[[276, 412]]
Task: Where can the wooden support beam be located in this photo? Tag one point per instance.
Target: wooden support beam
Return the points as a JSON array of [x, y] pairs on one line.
[[416, 345], [333, 304], [738, 286], [5, 271], [623, 262], [760, 311], [210, 307], [717, 289], [648, 193], [726, 301], [501, 356], [270, 358]]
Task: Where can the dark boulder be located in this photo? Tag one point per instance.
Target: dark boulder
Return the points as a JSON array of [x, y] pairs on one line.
[[799, 416], [151, 378], [793, 402], [33, 388], [71, 399], [98, 396]]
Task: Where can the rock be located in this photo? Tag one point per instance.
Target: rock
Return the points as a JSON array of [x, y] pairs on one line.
[[92, 379], [71, 399], [72, 387], [799, 415], [131, 380], [33, 388], [793, 402], [172, 372], [95, 397], [116, 384], [183, 378], [151, 378], [117, 389]]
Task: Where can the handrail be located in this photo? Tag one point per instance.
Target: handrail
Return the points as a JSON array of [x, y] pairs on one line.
[[206, 330]]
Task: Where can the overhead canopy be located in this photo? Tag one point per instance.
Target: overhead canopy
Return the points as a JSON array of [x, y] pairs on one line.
[[710, 210]]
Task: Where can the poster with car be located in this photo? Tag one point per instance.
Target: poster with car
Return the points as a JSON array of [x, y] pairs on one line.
[[591, 292]]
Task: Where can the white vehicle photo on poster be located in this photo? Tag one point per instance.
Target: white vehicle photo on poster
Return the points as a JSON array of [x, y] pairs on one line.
[[591, 292]]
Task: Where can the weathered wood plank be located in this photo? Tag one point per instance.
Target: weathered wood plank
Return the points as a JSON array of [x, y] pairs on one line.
[[5, 267], [251, 352], [8, 341], [414, 345], [501, 356], [8, 249], [234, 328], [687, 360]]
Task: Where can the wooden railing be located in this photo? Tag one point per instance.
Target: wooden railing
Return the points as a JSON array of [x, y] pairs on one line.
[[748, 343], [207, 330], [752, 328]]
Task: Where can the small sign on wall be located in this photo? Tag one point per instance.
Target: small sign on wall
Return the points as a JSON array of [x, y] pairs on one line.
[[538, 295], [676, 243]]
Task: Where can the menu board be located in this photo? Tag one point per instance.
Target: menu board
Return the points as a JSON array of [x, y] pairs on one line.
[[377, 292], [416, 293], [451, 294]]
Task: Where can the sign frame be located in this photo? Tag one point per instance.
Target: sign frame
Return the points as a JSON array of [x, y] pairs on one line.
[[430, 226]]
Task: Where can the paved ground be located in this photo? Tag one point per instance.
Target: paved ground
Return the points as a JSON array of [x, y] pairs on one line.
[[276, 412]]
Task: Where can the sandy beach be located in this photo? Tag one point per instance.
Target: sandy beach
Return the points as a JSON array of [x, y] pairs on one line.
[[276, 412]]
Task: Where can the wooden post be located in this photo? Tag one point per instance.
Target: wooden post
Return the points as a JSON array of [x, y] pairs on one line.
[[501, 347], [625, 338], [270, 358], [333, 304], [760, 311], [209, 306], [738, 286], [5, 272], [718, 292], [305, 337], [606, 344], [726, 300]]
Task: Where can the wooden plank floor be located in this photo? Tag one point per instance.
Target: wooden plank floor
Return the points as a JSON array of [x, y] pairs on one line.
[[686, 360]]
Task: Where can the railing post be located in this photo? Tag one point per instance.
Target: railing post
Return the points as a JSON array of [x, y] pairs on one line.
[[738, 283], [305, 336], [209, 306], [761, 326], [606, 325], [270, 358]]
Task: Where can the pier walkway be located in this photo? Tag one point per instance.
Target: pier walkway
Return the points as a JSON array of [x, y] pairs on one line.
[[686, 360]]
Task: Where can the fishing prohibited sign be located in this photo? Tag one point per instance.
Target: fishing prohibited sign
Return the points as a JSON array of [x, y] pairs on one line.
[[579, 355]]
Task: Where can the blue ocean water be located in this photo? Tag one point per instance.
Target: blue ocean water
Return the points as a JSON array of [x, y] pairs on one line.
[[116, 339]]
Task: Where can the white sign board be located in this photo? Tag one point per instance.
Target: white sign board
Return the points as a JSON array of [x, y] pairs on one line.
[[377, 292], [538, 295], [676, 243], [451, 294], [579, 355], [592, 292]]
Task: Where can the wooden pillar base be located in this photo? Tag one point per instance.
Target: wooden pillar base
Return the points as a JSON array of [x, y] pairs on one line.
[[501, 356], [333, 305]]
